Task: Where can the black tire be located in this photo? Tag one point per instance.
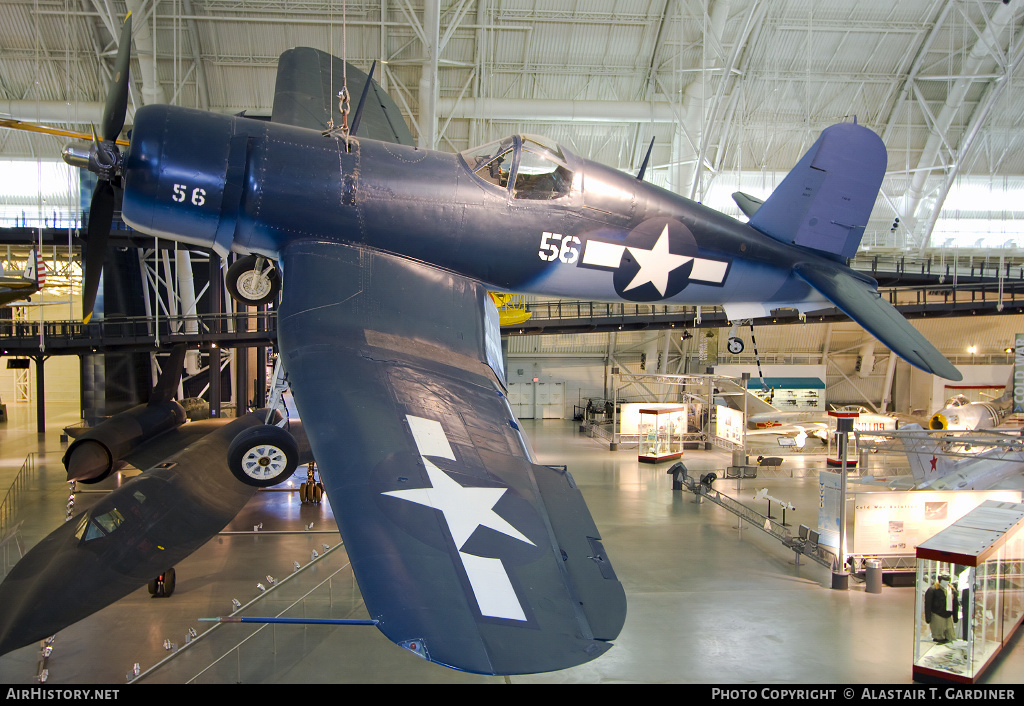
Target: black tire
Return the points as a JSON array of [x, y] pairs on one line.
[[249, 287], [263, 456], [169, 582], [168, 585]]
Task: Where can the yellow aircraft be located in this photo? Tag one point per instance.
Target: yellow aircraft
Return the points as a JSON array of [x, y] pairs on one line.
[[511, 308]]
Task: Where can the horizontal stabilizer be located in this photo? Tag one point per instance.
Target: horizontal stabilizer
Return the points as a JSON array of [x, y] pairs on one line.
[[824, 203], [859, 299], [747, 203]]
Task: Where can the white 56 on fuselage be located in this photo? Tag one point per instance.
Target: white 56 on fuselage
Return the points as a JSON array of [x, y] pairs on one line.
[[567, 251]]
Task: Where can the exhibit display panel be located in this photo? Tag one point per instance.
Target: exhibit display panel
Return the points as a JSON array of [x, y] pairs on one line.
[[970, 593], [729, 424], [661, 434], [895, 522]]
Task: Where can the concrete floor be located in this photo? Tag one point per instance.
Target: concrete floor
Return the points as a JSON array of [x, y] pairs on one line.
[[707, 603]]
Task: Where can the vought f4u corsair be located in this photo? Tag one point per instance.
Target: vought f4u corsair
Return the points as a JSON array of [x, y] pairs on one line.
[[465, 549]]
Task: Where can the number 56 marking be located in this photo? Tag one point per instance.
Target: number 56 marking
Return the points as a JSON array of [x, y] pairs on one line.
[[198, 195], [551, 250]]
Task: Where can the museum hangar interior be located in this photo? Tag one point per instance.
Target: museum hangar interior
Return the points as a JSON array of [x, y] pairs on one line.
[[713, 101]]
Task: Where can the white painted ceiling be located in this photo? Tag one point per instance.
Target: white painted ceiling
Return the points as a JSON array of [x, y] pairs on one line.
[[732, 91]]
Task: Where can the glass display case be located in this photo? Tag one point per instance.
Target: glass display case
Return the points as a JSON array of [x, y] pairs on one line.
[[970, 593], [661, 434]]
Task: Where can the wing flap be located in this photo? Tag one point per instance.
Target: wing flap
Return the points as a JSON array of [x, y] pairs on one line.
[[861, 302], [585, 559], [456, 537]]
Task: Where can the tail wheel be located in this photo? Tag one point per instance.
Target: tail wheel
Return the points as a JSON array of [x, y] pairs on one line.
[[263, 456], [253, 280]]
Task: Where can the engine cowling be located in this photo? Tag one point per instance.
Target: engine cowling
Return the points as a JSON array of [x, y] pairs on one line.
[[976, 415], [176, 173]]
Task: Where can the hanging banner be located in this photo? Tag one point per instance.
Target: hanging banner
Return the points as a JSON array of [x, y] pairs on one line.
[[1018, 373], [830, 499]]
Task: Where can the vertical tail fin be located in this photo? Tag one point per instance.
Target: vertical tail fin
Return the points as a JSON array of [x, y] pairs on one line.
[[824, 203], [35, 268], [167, 386], [927, 462]]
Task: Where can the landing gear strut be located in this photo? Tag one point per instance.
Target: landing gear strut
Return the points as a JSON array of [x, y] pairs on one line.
[[312, 491]]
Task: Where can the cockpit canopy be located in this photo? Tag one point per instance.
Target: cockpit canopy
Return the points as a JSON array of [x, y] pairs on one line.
[[534, 166], [958, 401]]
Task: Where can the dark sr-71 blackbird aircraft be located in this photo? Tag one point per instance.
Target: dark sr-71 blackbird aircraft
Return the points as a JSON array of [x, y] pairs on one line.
[[466, 550]]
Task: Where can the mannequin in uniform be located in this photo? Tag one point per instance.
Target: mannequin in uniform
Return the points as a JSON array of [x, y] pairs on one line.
[[941, 608]]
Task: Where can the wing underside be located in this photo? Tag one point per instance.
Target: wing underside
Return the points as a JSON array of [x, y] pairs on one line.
[[466, 551]]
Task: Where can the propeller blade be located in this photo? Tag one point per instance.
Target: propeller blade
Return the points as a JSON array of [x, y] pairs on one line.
[[101, 216], [116, 107]]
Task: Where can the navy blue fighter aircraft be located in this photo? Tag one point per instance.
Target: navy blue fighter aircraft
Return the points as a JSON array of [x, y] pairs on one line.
[[465, 549]]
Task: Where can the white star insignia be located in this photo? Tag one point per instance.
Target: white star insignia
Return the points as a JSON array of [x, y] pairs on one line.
[[464, 508], [656, 264]]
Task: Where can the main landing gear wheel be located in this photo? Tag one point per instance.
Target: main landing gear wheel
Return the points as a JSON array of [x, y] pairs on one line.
[[253, 280], [263, 456], [163, 585]]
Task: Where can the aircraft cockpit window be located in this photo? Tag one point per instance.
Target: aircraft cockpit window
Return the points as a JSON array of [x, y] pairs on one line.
[[100, 526], [492, 162], [958, 401], [541, 169], [109, 521], [541, 174]]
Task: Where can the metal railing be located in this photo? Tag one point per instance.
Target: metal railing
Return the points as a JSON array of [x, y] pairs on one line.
[[9, 507], [146, 330], [241, 653], [821, 555]]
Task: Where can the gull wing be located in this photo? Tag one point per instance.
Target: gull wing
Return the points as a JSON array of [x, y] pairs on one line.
[[466, 551]]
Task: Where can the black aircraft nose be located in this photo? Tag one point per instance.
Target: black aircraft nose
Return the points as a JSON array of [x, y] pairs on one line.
[[52, 586]]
